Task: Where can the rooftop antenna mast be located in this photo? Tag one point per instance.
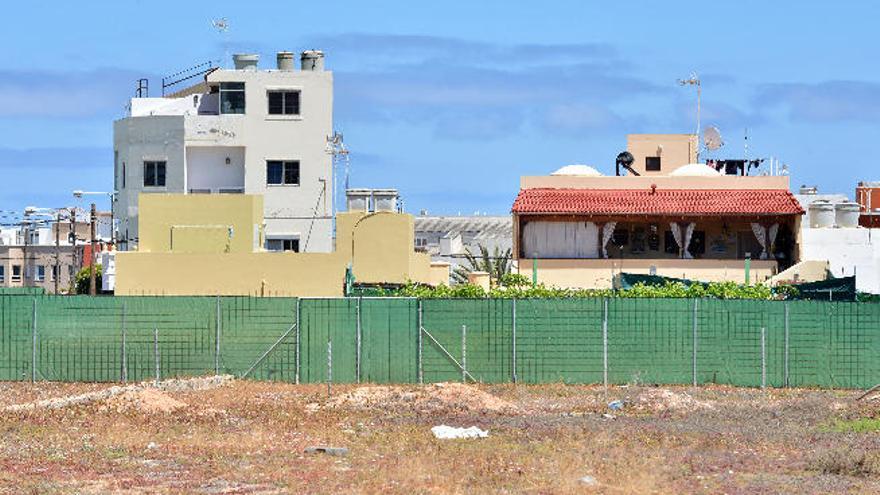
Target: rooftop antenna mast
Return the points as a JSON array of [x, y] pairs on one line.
[[222, 27], [694, 80], [340, 156]]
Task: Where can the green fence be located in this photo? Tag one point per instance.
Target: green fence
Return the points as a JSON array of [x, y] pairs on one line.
[[399, 340]]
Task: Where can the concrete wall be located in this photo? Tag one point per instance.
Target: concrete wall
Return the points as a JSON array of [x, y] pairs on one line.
[[674, 151], [662, 182], [206, 168], [200, 223], [853, 251], [378, 246], [599, 273]]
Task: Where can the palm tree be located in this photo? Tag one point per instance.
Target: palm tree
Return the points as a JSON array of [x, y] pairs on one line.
[[496, 265]]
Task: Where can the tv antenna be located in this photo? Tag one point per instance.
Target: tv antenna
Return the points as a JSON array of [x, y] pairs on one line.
[[694, 80], [222, 27], [712, 138]]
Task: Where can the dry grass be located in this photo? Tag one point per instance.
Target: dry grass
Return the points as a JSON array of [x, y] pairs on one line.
[[250, 437]]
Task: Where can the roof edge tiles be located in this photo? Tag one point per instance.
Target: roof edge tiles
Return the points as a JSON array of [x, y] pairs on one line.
[[679, 202]]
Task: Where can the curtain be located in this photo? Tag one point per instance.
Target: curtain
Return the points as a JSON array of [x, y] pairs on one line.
[[607, 232], [573, 240], [771, 236], [676, 233], [688, 233], [761, 235]]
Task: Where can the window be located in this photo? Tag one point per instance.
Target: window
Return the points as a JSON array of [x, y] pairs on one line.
[[2, 274], [282, 173], [421, 242], [652, 163], [123, 175], [54, 273], [41, 273], [16, 273], [232, 98], [290, 244], [283, 102], [154, 174]]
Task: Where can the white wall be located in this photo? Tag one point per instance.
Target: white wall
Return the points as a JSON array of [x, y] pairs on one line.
[[206, 167], [850, 252]]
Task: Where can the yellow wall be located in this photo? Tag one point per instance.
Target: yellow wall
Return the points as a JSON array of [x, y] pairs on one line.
[[379, 247], [599, 273], [200, 223], [674, 151]]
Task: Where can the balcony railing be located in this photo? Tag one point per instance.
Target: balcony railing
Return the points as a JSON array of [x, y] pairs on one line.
[[218, 190]]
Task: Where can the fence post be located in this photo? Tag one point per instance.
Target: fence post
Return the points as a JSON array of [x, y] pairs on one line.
[[696, 302], [329, 365], [763, 357], [513, 345], [421, 369], [297, 345], [464, 353], [124, 357], [605, 344], [34, 342], [358, 355], [217, 338], [156, 352], [785, 351]]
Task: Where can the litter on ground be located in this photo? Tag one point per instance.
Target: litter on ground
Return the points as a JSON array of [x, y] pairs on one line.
[[444, 432]]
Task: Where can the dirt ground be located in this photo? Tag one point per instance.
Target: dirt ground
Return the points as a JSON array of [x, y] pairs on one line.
[[216, 436]]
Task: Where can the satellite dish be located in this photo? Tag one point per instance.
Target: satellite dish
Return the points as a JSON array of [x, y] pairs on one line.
[[625, 160], [712, 138]]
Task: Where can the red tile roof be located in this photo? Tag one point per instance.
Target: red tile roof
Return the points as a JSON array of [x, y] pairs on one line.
[[660, 202]]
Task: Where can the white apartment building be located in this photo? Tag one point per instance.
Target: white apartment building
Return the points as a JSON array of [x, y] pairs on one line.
[[242, 130]]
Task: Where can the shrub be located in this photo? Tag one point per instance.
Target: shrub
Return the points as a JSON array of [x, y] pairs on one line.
[[517, 286], [82, 280]]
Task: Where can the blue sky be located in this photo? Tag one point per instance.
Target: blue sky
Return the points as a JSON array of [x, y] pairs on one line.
[[452, 101]]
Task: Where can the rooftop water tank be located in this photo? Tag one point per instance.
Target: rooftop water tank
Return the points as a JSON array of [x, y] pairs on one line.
[[385, 199], [284, 60], [821, 214], [358, 199], [312, 60], [805, 190], [245, 61], [846, 214]]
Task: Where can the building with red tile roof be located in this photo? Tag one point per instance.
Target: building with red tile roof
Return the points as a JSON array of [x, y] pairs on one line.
[[666, 216]]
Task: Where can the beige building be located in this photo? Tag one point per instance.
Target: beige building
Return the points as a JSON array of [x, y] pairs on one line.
[[213, 244], [36, 266], [668, 216]]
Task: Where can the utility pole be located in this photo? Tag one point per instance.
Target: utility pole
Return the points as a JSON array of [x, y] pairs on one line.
[[94, 220], [24, 250], [72, 240], [57, 273]]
